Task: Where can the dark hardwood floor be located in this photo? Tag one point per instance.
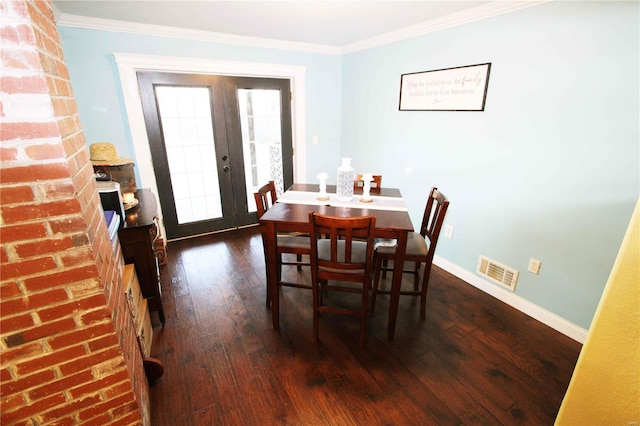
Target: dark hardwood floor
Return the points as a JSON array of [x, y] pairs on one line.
[[474, 361]]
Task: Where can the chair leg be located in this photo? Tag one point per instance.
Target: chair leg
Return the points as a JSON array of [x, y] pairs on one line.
[[299, 259], [316, 303], [416, 276], [364, 314], [423, 293], [377, 266]]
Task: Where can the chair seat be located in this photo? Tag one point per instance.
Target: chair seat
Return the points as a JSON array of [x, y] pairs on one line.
[[416, 246]]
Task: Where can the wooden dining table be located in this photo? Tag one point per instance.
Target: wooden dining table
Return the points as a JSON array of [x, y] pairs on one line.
[[286, 216]]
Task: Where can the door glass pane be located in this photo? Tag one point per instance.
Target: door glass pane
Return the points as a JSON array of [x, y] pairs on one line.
[[185, 117], [261, 139]]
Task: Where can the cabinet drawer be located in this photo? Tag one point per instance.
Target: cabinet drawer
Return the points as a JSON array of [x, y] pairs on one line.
[[145, 330], [132, 290]]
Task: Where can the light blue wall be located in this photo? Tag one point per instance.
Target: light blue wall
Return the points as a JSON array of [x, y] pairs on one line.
[[96, 85], [549, 170]]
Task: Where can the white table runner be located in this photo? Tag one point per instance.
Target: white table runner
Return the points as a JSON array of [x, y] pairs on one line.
[[310, 198]]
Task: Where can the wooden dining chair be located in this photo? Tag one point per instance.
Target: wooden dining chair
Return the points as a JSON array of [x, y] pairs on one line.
[[341, 260], [421, 247], [376, 184], [287, 243]]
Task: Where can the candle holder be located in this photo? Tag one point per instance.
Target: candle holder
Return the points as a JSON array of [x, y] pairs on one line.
[[322, 195], [367, 178]]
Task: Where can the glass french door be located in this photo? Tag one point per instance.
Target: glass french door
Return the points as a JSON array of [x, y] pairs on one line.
[[214, 141]]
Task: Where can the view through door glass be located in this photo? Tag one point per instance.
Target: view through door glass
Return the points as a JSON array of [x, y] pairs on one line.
[[214, 140]]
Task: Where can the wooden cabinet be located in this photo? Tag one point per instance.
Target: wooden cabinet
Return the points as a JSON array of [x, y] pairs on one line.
[[137, 236]]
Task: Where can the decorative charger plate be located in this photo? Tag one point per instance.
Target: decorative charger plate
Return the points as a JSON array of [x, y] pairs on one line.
[[132, 204]]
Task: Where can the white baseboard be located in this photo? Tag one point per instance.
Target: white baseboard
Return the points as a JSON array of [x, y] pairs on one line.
[[557, 323]]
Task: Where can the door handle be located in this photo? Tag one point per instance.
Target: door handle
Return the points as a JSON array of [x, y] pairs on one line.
[[226, 168]]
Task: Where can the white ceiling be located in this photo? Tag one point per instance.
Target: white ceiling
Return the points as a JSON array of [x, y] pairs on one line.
[[321, 22]]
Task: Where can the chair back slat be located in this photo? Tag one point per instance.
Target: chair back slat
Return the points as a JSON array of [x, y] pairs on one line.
[[265, 197], [350, 242], [341, 261], [433, 218]]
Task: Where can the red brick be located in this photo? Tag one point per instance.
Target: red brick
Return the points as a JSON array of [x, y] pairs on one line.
[[71, 407], [48, 329], [22, 232], [11, 402], [61, 278], [17, 213], [26, 382], [104, 342], [23, 84], [23, 351], [51, 191], [16, 194], [77, 257], [44, 246], [51, 359], [21, 34], [9, 289], [5, 376], [35, 172], [47, 298], [132, 418], [125, 409], [45, 151], [123, 387], [27, 410], [8, 154], [81, 335], [103, 383], [35, 130], [14, 306], [122, 401], [28, 267], [16, 323], [49, 387], [71, 308], [96, 316], [16, 9], [68, 225], [89, 361], [99, 420], [19, 60]]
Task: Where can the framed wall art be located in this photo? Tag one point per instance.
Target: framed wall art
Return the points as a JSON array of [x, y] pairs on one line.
[[449, 89]]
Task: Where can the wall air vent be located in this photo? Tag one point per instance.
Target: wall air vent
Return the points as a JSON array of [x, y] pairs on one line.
[[497, 272]]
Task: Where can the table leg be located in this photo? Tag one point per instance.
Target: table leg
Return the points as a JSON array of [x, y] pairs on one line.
[[271, 266], [398, 266]]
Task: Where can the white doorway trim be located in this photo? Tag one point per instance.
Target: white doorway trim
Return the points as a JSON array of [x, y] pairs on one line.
[[129, 64]]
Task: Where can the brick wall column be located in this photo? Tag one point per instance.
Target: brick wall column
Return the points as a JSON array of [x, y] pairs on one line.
[[69, 352]]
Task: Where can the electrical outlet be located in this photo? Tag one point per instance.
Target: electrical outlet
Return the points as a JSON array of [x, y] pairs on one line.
[[534, 266], [448, 231]]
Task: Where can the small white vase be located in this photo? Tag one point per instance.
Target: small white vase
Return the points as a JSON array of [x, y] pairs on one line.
[[344, 188]]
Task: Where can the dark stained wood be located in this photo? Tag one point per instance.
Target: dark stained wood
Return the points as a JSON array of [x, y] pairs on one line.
[[474, 360], [285, 217], [137, 236]]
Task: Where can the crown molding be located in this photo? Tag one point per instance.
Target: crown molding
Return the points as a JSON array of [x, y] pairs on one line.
[[467, 16], [85, 22], [477, 13]]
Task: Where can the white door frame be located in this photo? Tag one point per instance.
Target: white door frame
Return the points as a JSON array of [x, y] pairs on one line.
[[129, 64]]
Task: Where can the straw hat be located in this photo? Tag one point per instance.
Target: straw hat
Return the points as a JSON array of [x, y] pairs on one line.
[[105, 154]]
